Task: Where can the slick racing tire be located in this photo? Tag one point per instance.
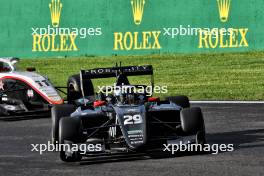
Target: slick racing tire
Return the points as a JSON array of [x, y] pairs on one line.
[[181, 100], [192, 123], [57, 112], [69, 133], [74, 91]]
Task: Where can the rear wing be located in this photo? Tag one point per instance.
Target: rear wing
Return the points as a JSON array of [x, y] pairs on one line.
[[115, 71]]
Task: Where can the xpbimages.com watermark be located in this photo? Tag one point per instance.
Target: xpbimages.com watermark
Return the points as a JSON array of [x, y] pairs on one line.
[[82, 32], [190, 147], [188, 30], [128, 89], [50, 147]]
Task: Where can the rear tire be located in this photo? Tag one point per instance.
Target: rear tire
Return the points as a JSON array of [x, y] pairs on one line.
[[74, 88], [69, 130], [181, 100], [57, 112]]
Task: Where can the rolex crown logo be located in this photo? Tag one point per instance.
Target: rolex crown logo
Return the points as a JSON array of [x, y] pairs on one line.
[[55, 11], [138, 10], [224, 7]]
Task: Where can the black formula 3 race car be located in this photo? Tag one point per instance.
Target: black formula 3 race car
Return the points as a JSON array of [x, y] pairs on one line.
[[24, 94], [121, 122]]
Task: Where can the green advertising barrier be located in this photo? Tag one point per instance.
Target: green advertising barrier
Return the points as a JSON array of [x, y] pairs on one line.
[[48, 28]]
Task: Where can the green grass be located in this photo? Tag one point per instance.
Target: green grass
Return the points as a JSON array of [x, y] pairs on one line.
[[236, 76]]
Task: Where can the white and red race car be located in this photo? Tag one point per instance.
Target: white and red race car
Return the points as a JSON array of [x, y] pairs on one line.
[[24, 94]]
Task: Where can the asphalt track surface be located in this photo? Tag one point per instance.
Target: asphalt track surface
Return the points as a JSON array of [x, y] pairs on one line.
[[238, 124]]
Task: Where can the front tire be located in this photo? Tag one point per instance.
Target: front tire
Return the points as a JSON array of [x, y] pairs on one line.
[[57, 112], [192, 123], [69, 133]]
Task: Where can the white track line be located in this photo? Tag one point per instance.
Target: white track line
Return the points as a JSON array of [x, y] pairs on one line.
[[227, 102]]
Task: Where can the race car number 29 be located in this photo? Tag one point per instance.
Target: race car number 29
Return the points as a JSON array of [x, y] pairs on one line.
[[132, 119]]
